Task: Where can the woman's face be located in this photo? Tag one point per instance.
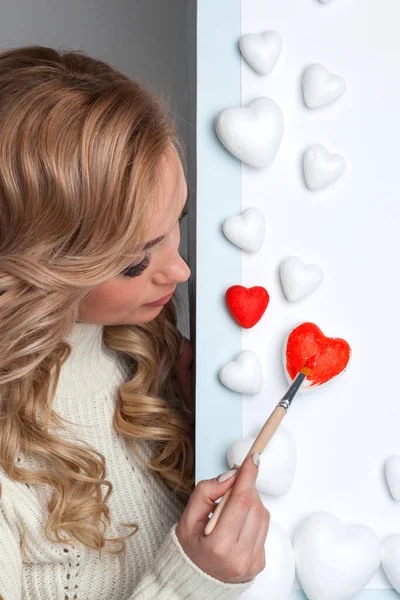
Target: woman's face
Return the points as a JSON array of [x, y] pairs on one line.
[[126, 300]]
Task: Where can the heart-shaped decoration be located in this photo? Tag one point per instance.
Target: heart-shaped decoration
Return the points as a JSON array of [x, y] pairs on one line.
[[246, 230], [321, 168], [391, 559], [392, 470], [246, 305], [276, 579], [320, 87], [334, 561], [278, 461], [253, 134], [305, 343], [261, 50], [298, 279], [244, 374]]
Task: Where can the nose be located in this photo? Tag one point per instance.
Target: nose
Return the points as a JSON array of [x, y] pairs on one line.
[[174, 270]]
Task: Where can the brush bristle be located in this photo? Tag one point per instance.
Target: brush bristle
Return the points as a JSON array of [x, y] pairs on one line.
[[306, 371]]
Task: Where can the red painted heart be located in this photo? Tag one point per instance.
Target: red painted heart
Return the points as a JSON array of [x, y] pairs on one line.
[[330, 356], [247, 305]]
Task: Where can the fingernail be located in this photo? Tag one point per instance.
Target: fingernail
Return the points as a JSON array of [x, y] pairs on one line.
[[226, 475], [256, 458]]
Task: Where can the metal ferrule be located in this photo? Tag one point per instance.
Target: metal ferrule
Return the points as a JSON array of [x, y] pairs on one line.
[[290, 394], [284, 404]]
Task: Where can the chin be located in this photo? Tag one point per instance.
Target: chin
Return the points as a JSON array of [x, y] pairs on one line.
[[149, 313]]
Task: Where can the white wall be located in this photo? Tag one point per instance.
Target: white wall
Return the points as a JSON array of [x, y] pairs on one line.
[[145, 39]]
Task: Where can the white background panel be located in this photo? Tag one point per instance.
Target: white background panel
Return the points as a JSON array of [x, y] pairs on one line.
[[344, 432]]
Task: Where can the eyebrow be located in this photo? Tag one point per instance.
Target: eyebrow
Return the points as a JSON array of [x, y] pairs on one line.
[[162, 237]]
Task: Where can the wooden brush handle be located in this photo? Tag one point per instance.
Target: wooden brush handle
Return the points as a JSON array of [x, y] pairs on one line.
[[259, 445]]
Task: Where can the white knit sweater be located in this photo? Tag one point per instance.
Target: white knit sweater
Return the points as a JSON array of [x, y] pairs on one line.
[[156, 565]]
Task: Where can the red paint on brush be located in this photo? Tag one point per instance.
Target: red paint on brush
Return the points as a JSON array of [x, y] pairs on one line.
[[308, 347], [247, 305]]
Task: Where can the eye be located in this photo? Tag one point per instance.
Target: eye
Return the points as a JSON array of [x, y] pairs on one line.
[[136, 270], [183, 215]]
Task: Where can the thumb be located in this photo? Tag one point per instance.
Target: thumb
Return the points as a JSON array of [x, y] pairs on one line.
[[202, 500]]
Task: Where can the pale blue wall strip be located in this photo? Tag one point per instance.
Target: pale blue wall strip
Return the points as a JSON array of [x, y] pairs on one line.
[[218, 265]]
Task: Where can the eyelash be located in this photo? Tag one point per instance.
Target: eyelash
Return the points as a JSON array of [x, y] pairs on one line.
[[137, 270], [183, 215]]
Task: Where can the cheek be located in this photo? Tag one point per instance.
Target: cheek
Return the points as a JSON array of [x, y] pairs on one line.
[[113, 296], [133, 286], [130, 291]]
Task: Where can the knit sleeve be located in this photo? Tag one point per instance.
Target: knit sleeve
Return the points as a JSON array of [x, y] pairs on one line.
[[174, 576], [10, 558]]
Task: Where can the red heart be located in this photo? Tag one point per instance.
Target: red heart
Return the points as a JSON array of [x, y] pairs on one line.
[[247, 305], [331, 355]]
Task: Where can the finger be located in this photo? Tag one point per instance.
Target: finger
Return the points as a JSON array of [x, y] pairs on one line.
[[246, 478], [260, 556], [236, 509], [253, 535], [260, 549], [259, 545], [251, 528], [202, 502]]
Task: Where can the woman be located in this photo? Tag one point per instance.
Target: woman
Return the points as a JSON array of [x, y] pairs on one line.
[[96, 437]]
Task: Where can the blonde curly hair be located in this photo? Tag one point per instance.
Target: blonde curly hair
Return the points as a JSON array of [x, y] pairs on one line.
[[80, 152]]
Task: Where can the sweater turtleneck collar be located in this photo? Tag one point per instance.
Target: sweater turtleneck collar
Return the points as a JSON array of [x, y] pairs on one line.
[[91, 366]]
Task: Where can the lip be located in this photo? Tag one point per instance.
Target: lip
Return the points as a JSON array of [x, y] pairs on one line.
[[161, 301]]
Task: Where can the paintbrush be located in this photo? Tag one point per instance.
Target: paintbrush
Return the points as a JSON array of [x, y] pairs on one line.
[[266, 433]]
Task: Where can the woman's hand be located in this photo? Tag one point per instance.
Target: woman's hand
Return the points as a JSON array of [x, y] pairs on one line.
[[234, 552], [183, 373]]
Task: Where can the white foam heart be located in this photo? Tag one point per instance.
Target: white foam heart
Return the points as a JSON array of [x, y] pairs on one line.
[[252, 133], [261, 50], [321, 168], [392, 471], [391, 559], [278, 461], [334, 561], [246, 230], [276, 580], [320, 87], [298, 279], [244, 374]]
